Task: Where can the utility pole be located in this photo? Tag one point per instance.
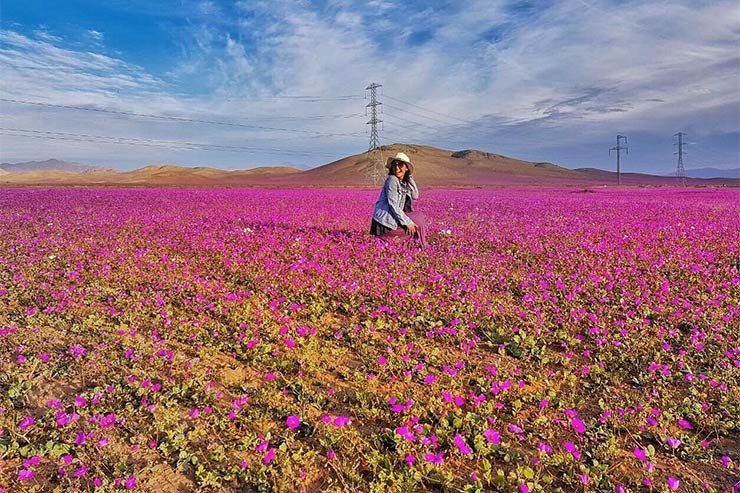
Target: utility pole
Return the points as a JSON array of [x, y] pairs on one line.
[[619, 148], [680, 171], [374, 170]]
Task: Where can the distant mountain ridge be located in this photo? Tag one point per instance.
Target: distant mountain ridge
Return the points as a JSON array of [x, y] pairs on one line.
[[434, 167], [48, 165], [712, 173]]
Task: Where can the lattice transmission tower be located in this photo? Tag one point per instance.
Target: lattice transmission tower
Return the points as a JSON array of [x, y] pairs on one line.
[[680, 171], [373, 108], [619, 148]]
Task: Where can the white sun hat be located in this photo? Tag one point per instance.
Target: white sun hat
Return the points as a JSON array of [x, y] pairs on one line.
[[401, 156]]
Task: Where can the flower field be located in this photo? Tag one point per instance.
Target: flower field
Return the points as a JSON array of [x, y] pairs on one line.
[[555, 340]]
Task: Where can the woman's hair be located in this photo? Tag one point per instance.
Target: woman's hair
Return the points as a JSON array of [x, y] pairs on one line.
[[392, 171]]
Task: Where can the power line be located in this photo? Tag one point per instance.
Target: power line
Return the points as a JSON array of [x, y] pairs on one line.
[[183, 145], [168, 118], [430, 111], [303, 99]]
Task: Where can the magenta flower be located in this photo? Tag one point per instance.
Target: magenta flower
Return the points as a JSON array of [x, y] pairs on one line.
[[640, 454], [461, 445], [108, 421], [25, 475], [76, 351], [26, 423], [492, 436], [293, 422], [514, 428], [433, 458], [32, 461], [573, 449], [673, 442], [267, 458], [81, 471], [685, 424], [410, 460], [673, 483], [130, 483], [577, 425]]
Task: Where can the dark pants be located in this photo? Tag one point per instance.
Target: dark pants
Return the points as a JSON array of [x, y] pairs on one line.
[[419, 237]]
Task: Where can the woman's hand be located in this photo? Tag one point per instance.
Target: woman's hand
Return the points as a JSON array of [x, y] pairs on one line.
[[411, 229]]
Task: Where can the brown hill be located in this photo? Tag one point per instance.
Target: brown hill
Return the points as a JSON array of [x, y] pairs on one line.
[[160, 175], [434, 167]]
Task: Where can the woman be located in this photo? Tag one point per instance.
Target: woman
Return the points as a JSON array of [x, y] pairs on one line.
[[394, 214]]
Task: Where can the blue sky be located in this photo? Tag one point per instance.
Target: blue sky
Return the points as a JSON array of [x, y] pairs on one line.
[[253, 83]]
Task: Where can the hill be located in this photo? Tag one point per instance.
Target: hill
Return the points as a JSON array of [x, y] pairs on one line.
[[713, 173], [48, 165], [434, 167]]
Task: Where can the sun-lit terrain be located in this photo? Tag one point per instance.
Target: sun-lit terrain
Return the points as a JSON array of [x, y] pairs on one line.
[[260, 340]]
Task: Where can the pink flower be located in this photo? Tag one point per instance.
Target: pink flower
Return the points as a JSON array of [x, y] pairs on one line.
[[685, 424], [410, 460], [269, 456], [26, 423], [573, 449], [80, 401], [293, 422], [32, 461], [76, 351], [430, 379], [435, 459], [640, 454], [492, 436], [673, 442], [108, 420], [130, 483], [523, 488], [578, 425], [25, 475], [81, 471], [461, 445], [514, 428], [673, 483]]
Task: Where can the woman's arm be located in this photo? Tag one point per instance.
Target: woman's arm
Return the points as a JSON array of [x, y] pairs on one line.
[[413, 188], [395, 201]]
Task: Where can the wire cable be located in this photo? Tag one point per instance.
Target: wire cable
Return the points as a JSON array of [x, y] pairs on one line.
[[169, 118], [21, 132]]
